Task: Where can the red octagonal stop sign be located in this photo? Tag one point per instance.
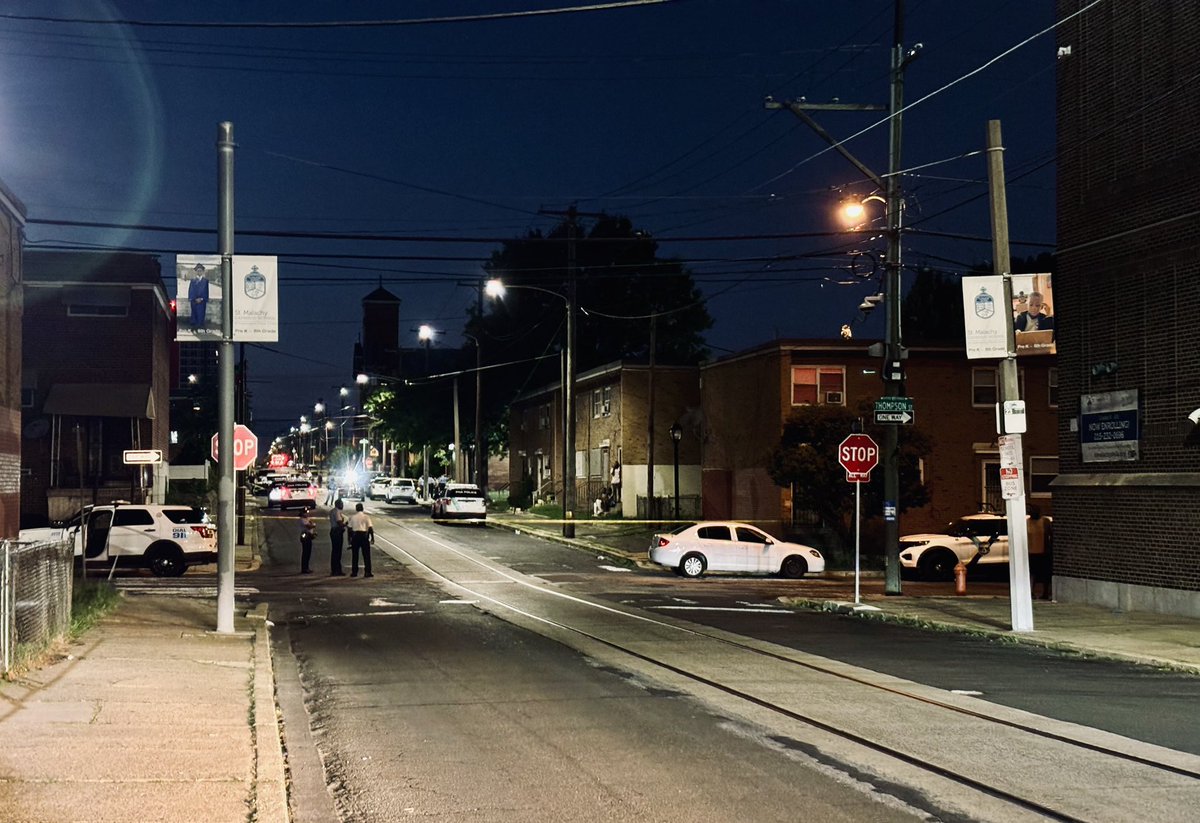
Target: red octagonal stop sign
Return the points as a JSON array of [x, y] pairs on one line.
[[858, 454], [245, 448]]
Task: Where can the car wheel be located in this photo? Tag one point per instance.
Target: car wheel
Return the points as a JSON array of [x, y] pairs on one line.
[[793, 567], [165, 560], [692, 565], [937, 564]]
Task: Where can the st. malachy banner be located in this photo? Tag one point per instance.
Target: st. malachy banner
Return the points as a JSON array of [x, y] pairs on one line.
[[1032, 315], [199, 299]]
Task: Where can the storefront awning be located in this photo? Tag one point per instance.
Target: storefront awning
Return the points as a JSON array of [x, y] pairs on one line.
[[101, 400]]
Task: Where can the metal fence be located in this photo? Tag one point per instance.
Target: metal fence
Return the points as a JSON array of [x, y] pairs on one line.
[[35, 596]]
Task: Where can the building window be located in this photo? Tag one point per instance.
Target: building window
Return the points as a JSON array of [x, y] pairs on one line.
[[1052, 390], [27, 398], [544, 417], [983, 387], [606, 401], [818, 386], [1042, 471]]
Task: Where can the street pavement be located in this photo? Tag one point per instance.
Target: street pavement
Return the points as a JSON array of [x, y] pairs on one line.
[[153, 716]]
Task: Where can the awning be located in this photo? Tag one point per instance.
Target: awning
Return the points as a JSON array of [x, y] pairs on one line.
[[101, 400]]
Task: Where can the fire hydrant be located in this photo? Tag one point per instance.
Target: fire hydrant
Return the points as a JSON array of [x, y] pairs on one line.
[[960, 578]]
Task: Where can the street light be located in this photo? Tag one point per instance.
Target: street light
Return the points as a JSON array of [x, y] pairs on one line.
[[676, 436], [496, 289]]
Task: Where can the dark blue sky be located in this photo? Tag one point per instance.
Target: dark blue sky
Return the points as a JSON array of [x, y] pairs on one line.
[[464, 130]]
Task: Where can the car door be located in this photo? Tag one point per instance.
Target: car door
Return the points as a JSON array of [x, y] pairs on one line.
[[133, 530], [718, 547], [755, 548]]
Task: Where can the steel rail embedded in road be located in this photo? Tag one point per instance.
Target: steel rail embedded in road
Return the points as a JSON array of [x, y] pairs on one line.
[[951, 774]]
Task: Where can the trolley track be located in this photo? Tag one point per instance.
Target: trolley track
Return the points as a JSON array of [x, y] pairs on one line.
[[956, 776]]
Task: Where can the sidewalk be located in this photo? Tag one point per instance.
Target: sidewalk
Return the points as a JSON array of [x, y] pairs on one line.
[[1138, 637], [153, 716]]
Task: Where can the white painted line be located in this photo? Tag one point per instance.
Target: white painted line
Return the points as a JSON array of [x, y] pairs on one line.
[[968, 692], [458, 602], [615, 569], [379, 601], [364, 614], [722, 609]]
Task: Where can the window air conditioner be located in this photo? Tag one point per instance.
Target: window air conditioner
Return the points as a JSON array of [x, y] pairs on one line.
[[833, 398]]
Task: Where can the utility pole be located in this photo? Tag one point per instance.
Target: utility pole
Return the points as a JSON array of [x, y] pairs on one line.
[[893, 372], [480, 446], [1020, 596], [226, 507], [892, 350], [650, 420]]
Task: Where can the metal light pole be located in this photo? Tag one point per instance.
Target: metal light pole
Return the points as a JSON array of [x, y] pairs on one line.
[[496, 289], [676, 436], [226, 504]]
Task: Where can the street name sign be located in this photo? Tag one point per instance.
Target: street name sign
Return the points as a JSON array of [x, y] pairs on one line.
[[894, 410]]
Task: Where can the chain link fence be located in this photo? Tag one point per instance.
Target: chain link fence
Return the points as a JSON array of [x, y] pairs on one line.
[[35, 597]]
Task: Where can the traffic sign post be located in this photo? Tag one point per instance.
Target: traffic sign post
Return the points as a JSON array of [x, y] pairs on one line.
[[245, 448], [858, 454]]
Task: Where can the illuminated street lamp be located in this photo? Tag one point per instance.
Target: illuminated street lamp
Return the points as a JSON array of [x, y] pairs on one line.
[[495, 288]]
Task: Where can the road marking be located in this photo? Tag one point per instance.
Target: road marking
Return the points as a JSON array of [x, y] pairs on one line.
[[458, 602], [364, 614], [615, 569], [967, 692], [722, 609], [379, 601]]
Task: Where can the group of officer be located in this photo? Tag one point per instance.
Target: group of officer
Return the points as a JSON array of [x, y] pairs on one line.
[[362, 535]]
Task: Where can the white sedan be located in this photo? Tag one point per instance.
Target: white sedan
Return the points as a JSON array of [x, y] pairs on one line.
[[732, 547]]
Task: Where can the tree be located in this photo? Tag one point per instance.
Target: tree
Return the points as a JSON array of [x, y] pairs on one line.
[[806, 461], [620, 283]]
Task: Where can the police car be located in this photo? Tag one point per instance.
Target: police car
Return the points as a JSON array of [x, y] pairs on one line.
[[164, 539]]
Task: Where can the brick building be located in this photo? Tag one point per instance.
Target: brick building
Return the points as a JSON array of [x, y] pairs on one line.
[[12, 224], [1127, 531], [96, 378], [612, 405], [746, 398]]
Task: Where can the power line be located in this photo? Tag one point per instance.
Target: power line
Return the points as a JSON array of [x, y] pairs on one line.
[[335, 24]]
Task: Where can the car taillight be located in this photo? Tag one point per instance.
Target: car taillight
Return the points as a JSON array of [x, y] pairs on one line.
[[203, 531], [662, 541]]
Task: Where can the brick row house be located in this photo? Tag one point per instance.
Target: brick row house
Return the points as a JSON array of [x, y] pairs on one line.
[[1127, 531], [12, 225], [95, 382], [612, 414], [731, 414]]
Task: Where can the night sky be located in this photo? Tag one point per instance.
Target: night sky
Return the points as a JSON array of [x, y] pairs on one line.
[[458, 133]]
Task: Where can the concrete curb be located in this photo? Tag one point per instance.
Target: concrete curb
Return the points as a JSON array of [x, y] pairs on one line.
[[270, 769]]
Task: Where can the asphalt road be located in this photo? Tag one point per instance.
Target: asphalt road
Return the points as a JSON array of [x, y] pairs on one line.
[[419, 704], [416, 702], [1142, 703]]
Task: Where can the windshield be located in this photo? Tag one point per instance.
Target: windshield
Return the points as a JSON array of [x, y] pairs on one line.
[[681, 529]]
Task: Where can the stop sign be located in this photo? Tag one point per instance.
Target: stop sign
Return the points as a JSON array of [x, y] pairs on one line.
[[245, 448], [858, 454]]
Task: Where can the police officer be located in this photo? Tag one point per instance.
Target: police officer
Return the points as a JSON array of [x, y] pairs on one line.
[[308, 530], [362, 535], [337, 531]]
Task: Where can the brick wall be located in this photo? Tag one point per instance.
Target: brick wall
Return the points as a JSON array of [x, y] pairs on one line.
[[1128, 287]]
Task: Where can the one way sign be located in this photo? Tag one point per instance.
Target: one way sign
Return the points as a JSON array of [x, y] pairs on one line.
[[894, 410]]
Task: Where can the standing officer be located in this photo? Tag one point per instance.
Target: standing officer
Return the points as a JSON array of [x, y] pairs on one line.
[[337, 530], [362, 535], [308, 530]]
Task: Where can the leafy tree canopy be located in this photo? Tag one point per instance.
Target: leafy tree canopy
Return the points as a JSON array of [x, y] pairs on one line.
[[806, 461]]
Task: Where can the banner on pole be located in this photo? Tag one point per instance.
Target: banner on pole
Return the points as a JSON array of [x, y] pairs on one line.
[[984, 316], [199, 301]]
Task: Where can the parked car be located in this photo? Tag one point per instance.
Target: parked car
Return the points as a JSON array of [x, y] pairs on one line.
[[933, 556], [378, 487], [732, 547], [401, 490], [460, 501], [164, 539], [293, 493]]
